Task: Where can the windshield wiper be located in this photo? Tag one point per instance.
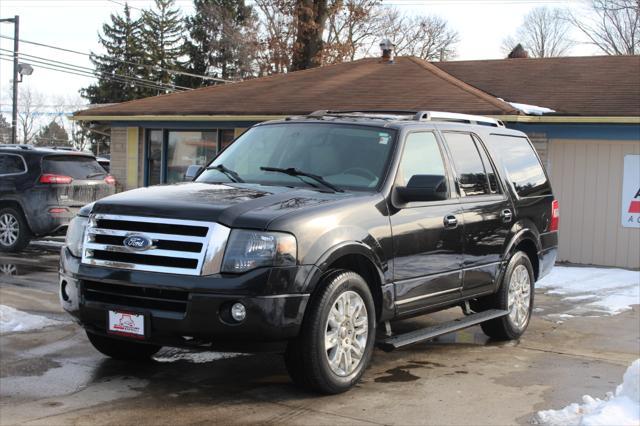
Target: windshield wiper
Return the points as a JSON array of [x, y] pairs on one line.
[[295, 172], [95, 174], [235, 177]]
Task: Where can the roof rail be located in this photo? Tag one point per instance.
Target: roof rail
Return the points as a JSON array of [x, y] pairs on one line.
[[15, 145], [360, 112], [455, 117]]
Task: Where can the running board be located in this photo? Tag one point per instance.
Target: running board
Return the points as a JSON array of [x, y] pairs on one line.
[[401, 340]]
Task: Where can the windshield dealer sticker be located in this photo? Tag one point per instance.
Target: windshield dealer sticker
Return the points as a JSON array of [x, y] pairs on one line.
[[631, 192], [383, 138]]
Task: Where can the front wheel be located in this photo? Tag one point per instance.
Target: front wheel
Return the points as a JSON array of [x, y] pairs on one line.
[[336, 341], [122, 349], [516, 296]]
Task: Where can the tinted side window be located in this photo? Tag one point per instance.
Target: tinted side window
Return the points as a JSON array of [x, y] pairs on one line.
[[11, 164], [76, 166], [421, 156], [468, 164], [491, 173], [522, 165]]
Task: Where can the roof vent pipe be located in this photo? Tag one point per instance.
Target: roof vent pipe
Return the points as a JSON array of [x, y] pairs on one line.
[[387, 48]]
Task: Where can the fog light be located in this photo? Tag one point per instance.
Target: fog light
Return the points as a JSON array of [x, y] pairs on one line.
[[238, 312]]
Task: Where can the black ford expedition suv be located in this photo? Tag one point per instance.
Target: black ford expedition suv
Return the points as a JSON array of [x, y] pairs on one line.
[[311, 232]]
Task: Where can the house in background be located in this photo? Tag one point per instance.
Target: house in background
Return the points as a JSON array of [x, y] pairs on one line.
[[582, 113]]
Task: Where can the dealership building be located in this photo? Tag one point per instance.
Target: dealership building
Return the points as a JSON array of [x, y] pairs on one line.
[[581, 113]]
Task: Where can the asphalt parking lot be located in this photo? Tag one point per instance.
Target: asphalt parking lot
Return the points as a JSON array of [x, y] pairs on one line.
[[53, 376]]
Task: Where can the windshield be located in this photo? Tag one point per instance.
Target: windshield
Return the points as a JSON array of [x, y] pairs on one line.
[[349, 157]]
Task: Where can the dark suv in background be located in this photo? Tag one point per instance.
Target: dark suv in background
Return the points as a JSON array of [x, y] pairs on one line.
[[312, 231], [41, 190]]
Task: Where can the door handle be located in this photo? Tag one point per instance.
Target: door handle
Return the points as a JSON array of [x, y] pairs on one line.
[[450, 221], [507, 216]]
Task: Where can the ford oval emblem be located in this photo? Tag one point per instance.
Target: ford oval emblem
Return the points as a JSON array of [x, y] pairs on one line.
[[138, 242]]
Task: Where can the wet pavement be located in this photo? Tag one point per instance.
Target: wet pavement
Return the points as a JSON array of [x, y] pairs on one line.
[[53, 376]]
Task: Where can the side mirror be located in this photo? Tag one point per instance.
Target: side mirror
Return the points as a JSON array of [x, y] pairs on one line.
[[192, 171], [424, 188]]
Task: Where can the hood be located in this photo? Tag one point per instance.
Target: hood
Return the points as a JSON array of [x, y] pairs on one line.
[[233, 205]]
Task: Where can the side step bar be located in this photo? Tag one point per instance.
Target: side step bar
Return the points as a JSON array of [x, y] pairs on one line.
[[401, 340]]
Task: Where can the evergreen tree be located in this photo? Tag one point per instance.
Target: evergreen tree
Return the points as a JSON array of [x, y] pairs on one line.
[[222, 41], [53, 134], [163, 39], [121, 42]]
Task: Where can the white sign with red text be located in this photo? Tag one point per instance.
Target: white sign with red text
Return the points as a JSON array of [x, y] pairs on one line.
[[126, 323], [631, 192]]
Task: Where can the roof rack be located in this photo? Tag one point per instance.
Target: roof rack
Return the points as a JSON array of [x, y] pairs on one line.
[[412, 115], [14, 145], [455, 117]]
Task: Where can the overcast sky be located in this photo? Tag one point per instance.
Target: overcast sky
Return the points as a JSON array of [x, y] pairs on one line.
[[73, 24]]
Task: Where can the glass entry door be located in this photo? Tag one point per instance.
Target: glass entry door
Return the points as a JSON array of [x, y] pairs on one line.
[[187, 148]]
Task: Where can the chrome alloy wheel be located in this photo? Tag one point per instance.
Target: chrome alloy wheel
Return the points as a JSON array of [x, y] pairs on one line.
[[9, 229], [519, 296], [346, 333]]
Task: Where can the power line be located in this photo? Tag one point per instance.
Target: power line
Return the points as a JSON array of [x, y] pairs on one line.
[[81, 73], [153, 67], [34, 58]]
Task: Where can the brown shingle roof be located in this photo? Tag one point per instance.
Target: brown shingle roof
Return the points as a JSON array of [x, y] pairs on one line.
[[408, 84], [589, 86]]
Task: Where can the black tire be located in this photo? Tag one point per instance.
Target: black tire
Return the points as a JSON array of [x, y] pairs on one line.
[[306, 357], [122, 349], [504, 328], [24, 233]]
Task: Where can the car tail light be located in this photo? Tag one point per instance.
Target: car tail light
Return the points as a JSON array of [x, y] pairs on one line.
[[58, 210], [55, 179], [555, 216], [110, 180]]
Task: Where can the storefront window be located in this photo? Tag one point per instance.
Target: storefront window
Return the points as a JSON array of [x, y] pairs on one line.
[[154, 157], [187, 148], [226, 137]]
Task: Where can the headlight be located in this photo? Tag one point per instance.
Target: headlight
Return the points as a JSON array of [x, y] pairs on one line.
[[75, 235], [248, 250]]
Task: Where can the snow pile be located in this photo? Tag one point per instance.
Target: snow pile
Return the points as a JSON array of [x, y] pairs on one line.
[[196, 357], [531, 109], [12, 320], [605, 290], [621, 409]]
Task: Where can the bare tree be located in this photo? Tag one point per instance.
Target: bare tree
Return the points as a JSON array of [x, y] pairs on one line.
[[544, 34], [30, 105], [277, 35], [352, 29], [427, 37], [614, 26]]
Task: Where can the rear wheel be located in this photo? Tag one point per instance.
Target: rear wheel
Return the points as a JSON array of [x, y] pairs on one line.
[[515, 295], [14, 230], [122, 349], [336, 341]]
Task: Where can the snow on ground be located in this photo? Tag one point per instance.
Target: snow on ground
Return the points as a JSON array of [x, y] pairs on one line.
[[621, 408], [12, 320], [607, 291], [196, 357]]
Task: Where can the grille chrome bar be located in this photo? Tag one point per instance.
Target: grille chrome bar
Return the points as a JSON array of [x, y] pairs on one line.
[[206, 261]]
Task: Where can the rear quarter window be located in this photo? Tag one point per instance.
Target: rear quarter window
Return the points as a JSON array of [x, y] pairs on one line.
[[521, 164], [76, 166], [11, 164]]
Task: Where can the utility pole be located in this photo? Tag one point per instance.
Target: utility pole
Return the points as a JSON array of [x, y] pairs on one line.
[[14, 111]]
